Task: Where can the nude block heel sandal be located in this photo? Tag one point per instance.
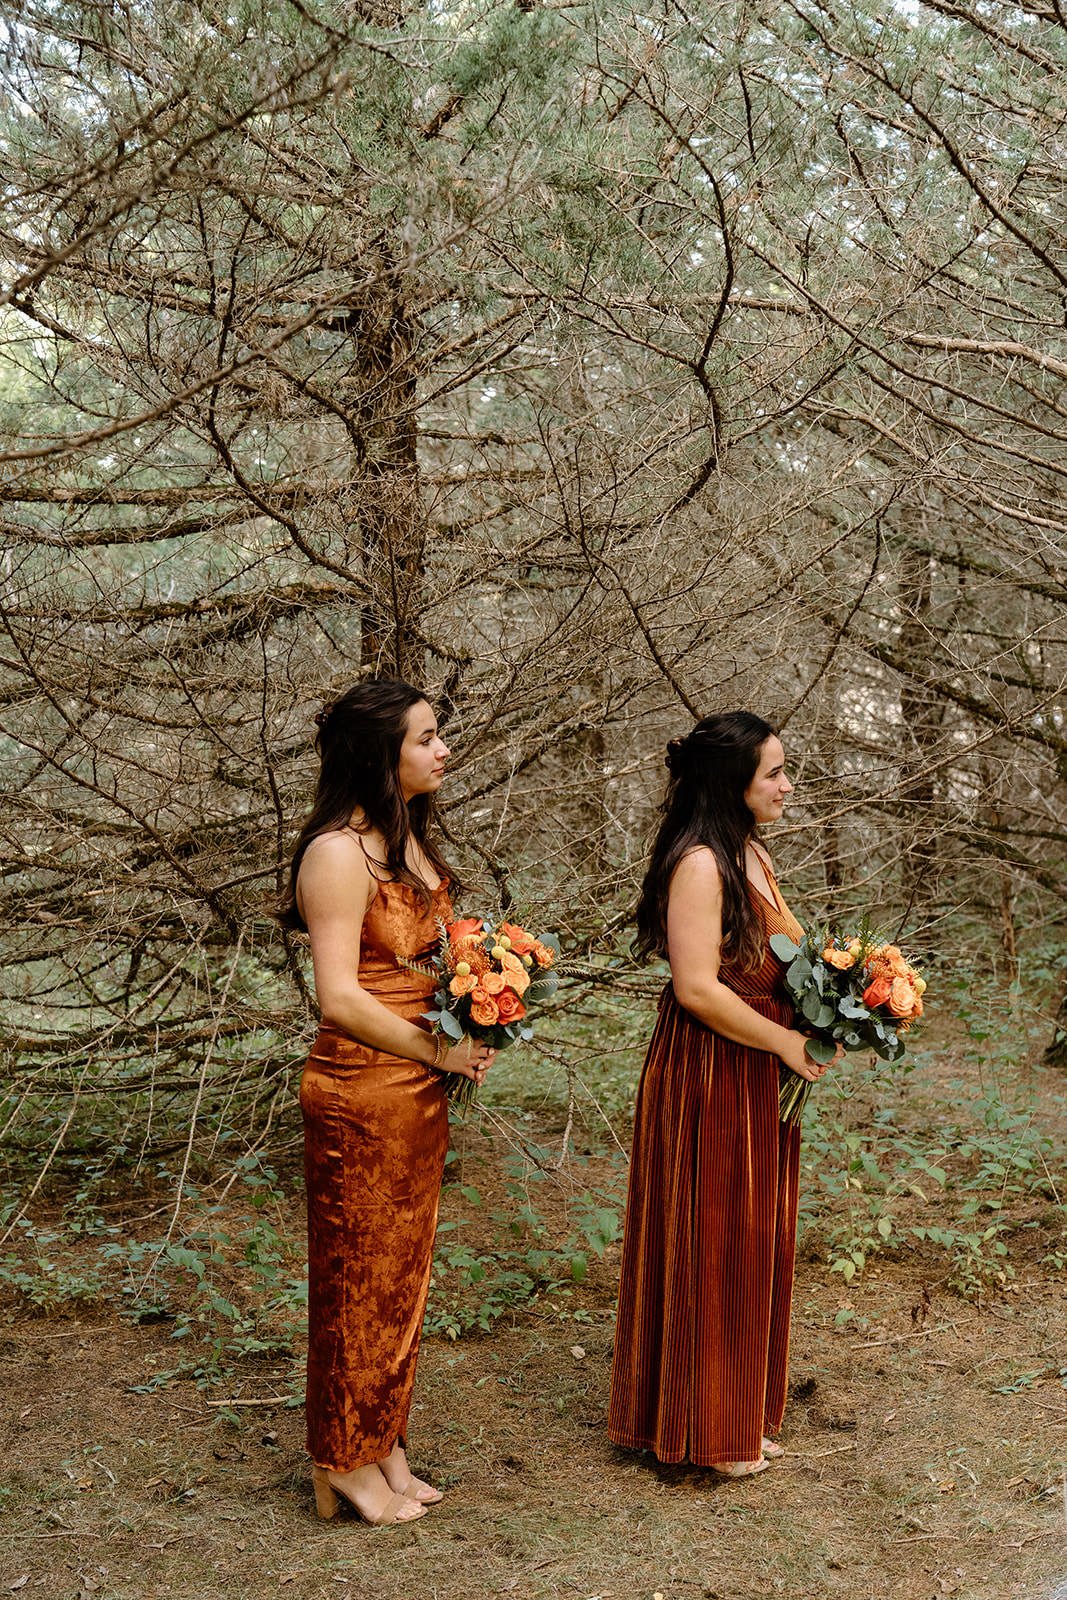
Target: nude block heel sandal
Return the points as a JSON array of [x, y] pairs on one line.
[[327, 1500]]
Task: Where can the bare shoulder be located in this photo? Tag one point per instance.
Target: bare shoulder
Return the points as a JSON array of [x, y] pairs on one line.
[[696, 884], [336, 848], [697, 868], [335, 864]]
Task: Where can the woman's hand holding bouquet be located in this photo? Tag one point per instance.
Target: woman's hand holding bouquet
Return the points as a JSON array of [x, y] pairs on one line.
[[487, 980], [850, 993]]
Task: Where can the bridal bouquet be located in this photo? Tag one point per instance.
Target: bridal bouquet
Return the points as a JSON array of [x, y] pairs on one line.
[[487, 980], [854, 992]]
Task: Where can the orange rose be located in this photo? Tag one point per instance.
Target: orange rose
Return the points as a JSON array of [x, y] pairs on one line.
[[464, 929], [890, 960], [543, 955], [521, 942], [843, 959], [483, 1008], [463, 983], [493, 982], [877, 992], [902, 998], [509, 1007]]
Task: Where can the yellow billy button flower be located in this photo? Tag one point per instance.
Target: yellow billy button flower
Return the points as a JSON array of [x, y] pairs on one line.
[[463, 969], [497, 951], [504, 942], [527, 961], [918, 984]]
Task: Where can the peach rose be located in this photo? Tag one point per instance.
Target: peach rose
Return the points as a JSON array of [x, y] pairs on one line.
[[902, 997], [543, 955], [463, 983], [515, 974], [842, 959], [521, 942], [891, 960], [483, 1008], [465, 928], [509, 1007], [493, 982], [877, 991]]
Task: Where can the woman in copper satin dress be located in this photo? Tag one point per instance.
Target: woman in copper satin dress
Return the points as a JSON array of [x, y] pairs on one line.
[[701, 1347], [367, 883]]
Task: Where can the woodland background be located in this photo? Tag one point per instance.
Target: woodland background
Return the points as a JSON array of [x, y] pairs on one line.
[[594, 367]]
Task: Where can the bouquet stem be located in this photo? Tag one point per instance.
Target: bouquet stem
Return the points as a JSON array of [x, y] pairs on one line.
[[793, 1091]]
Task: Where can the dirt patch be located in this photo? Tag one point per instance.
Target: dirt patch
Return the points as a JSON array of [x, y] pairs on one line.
[[927, 1433], [925, 1459]]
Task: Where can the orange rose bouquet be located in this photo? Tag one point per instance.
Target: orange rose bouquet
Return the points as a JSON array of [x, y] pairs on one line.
[[856, 992], [488, 978]]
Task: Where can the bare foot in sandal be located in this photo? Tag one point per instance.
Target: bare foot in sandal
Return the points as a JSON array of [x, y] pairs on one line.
[[739, 1469], [398, 1475], [367, 1492]]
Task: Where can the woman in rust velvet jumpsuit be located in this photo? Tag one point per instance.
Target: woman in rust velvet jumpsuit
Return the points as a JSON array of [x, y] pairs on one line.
[[368, 884], [702, 1341]]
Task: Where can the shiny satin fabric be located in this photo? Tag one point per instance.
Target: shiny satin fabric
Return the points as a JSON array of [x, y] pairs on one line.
[[702, 1341], [375, 1139]]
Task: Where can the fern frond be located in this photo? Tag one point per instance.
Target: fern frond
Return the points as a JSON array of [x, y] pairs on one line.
[[417, 966]]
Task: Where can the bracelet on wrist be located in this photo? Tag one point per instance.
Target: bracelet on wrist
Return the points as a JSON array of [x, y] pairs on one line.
[[440, 1050]]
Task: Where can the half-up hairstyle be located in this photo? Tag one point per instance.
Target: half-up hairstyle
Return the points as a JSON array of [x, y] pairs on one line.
[[358, 742], [710, 769]]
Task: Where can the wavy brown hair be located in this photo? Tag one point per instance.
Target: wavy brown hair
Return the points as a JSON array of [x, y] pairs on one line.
[[710, 769], [358, 743]]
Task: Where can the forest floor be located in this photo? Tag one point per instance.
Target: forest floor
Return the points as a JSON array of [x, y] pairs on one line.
[[926, 1436]]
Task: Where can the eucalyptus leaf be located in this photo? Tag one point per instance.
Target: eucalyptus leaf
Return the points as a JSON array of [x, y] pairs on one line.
[[451, 1026], [799, 975], [812, 1007], [783, 947], [820, 1050]]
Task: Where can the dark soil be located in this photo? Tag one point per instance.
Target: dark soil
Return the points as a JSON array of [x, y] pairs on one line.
[[925, 1459]]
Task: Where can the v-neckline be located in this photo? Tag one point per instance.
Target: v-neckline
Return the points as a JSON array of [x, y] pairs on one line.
[[768, 899]]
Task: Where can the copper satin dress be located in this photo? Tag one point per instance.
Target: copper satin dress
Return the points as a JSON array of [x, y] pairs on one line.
[[702, 1342], [375, 1139]]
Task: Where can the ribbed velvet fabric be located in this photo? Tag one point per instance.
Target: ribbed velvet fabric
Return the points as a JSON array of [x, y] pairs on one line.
[[375, 1138], [702, 1341]]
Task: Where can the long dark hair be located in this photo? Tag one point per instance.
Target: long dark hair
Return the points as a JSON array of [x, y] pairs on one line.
[[710, 769], [359, 742]]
